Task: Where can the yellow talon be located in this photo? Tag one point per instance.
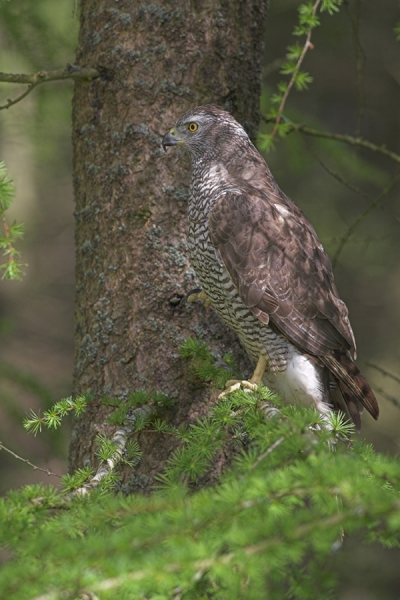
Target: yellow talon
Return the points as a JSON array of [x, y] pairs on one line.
[[230, 390], [235, 384]]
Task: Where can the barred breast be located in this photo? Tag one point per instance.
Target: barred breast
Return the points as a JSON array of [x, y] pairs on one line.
[[256, 337]]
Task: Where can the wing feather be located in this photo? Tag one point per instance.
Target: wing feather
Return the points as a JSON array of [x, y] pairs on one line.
[[280, 269]]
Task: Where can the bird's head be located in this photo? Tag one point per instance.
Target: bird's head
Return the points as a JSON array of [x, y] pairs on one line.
[[204, 130]]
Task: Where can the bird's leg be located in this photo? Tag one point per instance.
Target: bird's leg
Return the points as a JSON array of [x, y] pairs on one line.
[[197, 294], [235, 384], [259, 370]]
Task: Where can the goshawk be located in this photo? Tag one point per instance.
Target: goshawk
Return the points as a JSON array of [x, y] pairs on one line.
[[262, 267]]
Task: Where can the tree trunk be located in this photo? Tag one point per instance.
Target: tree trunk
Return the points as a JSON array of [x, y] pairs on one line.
[[157, 60]]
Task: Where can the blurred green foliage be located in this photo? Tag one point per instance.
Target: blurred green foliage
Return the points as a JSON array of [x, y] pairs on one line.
[[291, 65], [11, 233], [43, 33], [270, 528], [35, 144]]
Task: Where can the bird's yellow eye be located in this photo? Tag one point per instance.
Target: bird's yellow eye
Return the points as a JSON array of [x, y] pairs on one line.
[[193, 127]]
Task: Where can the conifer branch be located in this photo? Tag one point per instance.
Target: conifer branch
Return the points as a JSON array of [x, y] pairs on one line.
[[35, 79], [10, 250], [346, 139], [52, 418], [295, 54], [200, 567], [346, 183], [25, 460], [267, 452], [338, 137], [12, 268], [285, 504], [307, 46], [119, 442]]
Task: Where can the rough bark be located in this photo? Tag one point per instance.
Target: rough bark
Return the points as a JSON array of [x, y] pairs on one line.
[[158, 60]]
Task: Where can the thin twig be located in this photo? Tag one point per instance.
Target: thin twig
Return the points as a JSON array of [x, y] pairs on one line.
[[337, 176], [345, 238], [34, 79], [343, 181], [388, 397], [25, 460], [333, 174], [383, 371], [306, 47], [266, 453], [18, 98], [347, 139], [70, 72], [389, 212]]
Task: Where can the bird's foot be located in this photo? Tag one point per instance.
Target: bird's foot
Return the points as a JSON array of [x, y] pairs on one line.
[[235, 384], [198, 295]]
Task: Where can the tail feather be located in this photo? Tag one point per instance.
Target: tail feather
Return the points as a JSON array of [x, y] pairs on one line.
[[354, 406], [354, 387], [341, 399]]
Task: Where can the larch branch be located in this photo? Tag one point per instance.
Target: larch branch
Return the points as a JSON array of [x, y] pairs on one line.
[[25, 460], [307, 46], [8, 236], [267, 452], [34, 79], [120, 439], [347, 139]]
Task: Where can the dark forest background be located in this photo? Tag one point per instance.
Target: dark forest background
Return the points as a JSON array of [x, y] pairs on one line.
[[355, 64]]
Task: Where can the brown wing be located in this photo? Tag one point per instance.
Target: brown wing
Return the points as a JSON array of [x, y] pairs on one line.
[[280, 269]]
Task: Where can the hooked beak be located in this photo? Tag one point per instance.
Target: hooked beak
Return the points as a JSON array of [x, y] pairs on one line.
[[168, 140]]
